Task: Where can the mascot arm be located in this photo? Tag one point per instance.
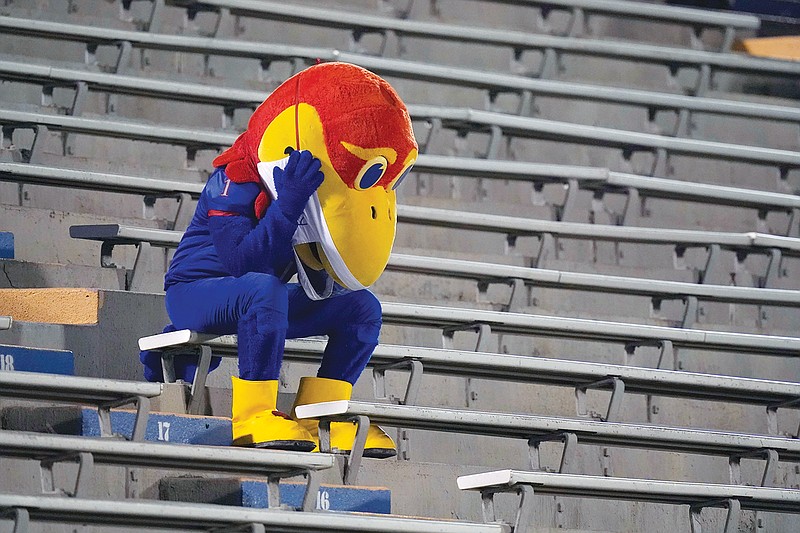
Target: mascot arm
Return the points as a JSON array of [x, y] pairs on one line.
[[248, 245], [243, 242]]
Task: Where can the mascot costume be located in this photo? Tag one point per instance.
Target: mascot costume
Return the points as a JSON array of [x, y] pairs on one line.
[[307, 189]]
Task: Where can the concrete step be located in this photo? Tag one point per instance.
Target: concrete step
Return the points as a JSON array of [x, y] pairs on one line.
[[255, 493], [32, 275]]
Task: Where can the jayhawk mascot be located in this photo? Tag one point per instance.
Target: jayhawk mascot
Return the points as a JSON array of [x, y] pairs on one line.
[[307, 189]]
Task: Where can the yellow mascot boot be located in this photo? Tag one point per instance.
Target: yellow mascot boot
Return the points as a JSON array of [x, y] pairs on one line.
[[257, 423], [315, 390]]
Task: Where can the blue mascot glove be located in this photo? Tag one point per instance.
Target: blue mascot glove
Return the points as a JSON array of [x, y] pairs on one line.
[[297, 182]]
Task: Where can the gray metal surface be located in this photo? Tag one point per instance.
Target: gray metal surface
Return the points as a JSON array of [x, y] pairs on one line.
[[539, 277], [516, 323], [47, 387], [752, 241], [698, 192], [186, 516], [533, 227], [522, 40], [124, 84], [650, 490], [518, 126], [345, 19], [165, 455], [537, 370], [119, 234], [589, 178], [522, 426], [596, 330], [95, 181], [224, 96], [647, 11], [5, 322], [451, 117]]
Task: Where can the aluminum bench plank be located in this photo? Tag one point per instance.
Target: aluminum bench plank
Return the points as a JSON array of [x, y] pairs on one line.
[[645, 11], [516, 39], [344, 19], [523, 369], [533, 227], [649, 490], [46, 387], [539, 277], [512, 226], [180, 515], [164, 455], [562, 131], [596, 330], [529, 426], [590, 178], [392, 67], [520, 126], [550, 326], [95, 181], [481, 271]]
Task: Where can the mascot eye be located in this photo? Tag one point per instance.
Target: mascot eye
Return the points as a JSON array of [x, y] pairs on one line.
[[371, 173], [406, 171]]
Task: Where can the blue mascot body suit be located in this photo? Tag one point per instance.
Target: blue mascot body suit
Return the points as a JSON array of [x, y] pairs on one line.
[[306, 190]]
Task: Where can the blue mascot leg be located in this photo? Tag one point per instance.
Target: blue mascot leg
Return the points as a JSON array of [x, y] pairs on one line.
[[262, 330], [352, 322], [255, 306]]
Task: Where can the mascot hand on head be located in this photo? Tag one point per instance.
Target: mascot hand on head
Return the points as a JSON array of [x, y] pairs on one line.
[[356, 125]]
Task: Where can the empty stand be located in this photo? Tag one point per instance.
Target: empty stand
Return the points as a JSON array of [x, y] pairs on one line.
[[581, 376], [580, 11], [696, 495], [519, 41], [104, 393], [494, 83], [186, 516], [79, 84], [538, 429], [270, 464], [230, 98], [484, 273]]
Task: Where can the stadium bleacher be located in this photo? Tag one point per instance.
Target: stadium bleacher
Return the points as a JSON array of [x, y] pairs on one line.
[[596, 268]]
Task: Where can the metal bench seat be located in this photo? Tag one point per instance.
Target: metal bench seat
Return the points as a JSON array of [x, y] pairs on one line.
[[88, 451], [580, 11], [512, 228], [577, 374], [112, 235], [576, 178], [493, 82], [209, 517], [696, 495], [103, 393], [516, 40], [459, 118], [118, 234], [629, 141], [497, 367], [538, 429]]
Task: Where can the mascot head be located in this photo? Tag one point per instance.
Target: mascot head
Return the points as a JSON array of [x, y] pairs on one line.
[[356, 125]]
